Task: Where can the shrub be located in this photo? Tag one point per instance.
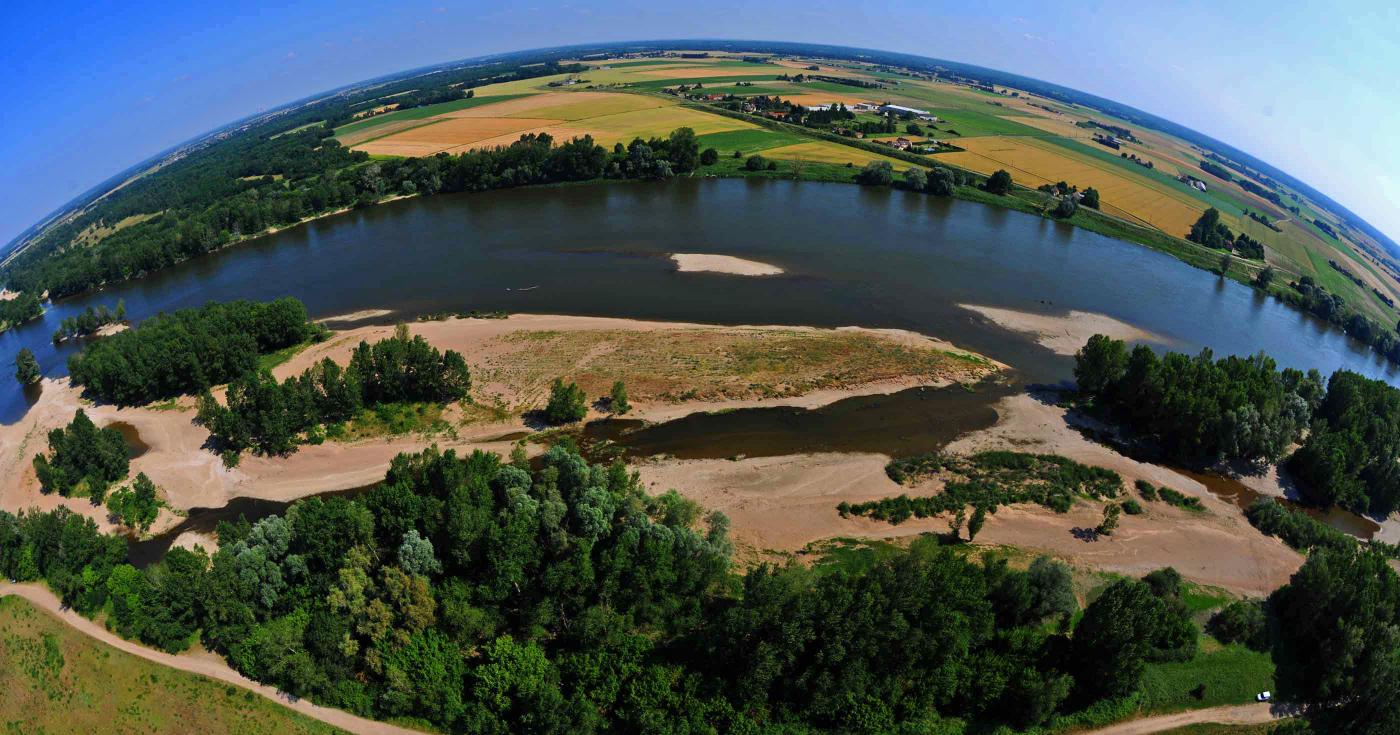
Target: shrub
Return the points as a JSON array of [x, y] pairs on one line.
[[566, 403]]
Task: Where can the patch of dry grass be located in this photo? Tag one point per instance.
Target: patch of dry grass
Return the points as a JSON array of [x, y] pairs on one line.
[[720, 363]]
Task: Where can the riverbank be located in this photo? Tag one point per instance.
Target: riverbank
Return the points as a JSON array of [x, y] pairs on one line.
[[727, 264], [780, 505], [1065, 334], [671, 369]]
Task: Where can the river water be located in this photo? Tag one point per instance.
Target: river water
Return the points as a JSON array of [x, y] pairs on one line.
[[852, 255]]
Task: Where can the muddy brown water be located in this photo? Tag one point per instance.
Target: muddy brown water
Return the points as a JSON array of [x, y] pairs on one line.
[[135, 445], [912, 421], [1241, 496], [145, 552]]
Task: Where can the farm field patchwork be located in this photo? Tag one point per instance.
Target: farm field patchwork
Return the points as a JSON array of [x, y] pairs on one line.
[[826, 152]]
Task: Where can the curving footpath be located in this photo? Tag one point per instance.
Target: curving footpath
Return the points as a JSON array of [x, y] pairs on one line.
[[1231, 714], [212, 667]]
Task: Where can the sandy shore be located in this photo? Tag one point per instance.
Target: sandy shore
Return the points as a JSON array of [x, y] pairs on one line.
[[190, 475], [782, 504], [356, 316], [490, 344], [1065, 334], [704, 262]]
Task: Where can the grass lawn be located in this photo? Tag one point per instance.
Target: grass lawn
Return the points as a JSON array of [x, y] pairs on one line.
[[56, 679], [747, 141], [1231, 674]]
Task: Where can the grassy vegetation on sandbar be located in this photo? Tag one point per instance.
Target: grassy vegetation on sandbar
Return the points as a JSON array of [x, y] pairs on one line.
[[56, 679]]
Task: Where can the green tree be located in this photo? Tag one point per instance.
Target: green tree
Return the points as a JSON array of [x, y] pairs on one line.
[[567, 403], [1052, 589], [1264, 277], [1338, 650], [1090, 198], [26, 367], [1109, 524], [1066, 207], [975, 523], [916, 179], [138, 506], [617, 400], [81, 456], [709, 157], [683, 150], [755, 163], [1100, 363], [876, 173], [999, 182], [1225, 262]]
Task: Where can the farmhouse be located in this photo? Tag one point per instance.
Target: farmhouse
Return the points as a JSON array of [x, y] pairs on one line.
[[901, 110], [865, 107], [902, 143]]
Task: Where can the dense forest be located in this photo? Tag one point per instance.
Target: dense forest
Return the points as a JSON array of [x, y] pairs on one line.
[[1199, 409], [1350, 455], [89, 321], [484, 597], [188, 350], [271, 417], [82, 459], [20, 309]]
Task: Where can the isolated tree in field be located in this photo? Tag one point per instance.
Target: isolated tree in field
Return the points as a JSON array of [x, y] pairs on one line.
[[709, 157], [754, 162], [26, 367], [617, 400], [1225, 262], [999, 183], [1109, 524], [876, 173], [913, 129], [566, 403], [1090, 198]]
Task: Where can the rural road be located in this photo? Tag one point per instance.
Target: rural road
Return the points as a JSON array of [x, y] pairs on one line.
[[1233, 714], [212, 667]]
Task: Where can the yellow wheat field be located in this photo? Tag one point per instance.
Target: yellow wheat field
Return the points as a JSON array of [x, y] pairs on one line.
[[1033, 162]]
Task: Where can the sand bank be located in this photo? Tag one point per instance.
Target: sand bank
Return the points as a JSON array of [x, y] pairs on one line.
[[1065, 334], [704, 262], [782, 504], [357, 316], [190, 475]]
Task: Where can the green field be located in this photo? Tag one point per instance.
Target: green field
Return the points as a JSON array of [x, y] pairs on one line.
[[56, 680], [1231, 674], [748, 141]]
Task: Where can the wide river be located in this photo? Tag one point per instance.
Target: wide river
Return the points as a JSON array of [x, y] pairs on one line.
[[853, 256]]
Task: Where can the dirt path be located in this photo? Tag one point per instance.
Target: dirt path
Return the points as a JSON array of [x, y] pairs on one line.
[[1235, 714], [206, 665]]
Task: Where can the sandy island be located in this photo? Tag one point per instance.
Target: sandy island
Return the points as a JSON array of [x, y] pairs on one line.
[[1065, 334], [512, 362], [780, 505], [706, 263]]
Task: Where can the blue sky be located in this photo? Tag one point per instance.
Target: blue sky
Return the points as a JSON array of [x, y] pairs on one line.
[[94, 87]]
